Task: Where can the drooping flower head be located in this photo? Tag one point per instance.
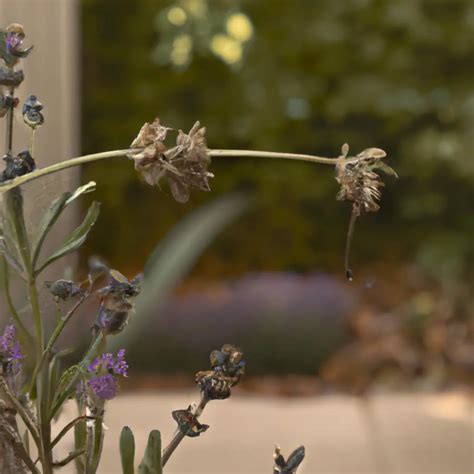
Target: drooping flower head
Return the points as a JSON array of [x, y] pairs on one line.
[[32, 112], [184, 166], [104, 372], [227, 368], [360, 184], [11, 44]]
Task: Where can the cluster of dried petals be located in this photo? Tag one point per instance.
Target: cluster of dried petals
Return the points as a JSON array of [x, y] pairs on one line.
[[184, 165], [227, 370], [11, 44], [359, 181], [32, 112], [63, 289]]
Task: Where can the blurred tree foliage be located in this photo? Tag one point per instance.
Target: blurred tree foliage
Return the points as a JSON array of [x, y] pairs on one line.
[[306, 77]]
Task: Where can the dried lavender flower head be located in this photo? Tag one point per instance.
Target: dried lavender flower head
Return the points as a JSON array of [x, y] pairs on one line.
[[184, 165], [104, 372], [359, 181], [32, 112], [188, 423], [227, 369], [11, 44], [361, 185], [63, 289], [117, 303]]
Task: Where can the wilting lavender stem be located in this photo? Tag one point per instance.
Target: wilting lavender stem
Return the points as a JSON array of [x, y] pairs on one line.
[[179, 436], [9, 127], [350, 234], [122, 153]]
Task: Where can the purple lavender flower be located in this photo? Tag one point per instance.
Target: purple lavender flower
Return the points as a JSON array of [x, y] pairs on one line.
[[107, 362], [104, 387], [121, 366], [10, 350], [105, 370]]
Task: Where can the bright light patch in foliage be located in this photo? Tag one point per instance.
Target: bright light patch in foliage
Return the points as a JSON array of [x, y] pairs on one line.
[[226, 48], [239, 27], [177, 16]]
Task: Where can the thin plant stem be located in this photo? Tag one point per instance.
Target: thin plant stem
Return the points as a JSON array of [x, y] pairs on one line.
[[81, 160], [69, 458], [56, 333], [68, 427], [179, 436], [350, 235], [95, 441], [11, 305], [272, 154], [9, 127], [32, 141]]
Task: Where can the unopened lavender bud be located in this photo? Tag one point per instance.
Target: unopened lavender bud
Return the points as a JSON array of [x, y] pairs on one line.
[[32, 114], [63, 289]]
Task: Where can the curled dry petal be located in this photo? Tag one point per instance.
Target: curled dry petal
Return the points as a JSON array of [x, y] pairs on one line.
[[361, 184], [188, 423], [184, 165]]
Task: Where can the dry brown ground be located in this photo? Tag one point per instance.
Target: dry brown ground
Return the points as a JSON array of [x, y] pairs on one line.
[[429, 434]]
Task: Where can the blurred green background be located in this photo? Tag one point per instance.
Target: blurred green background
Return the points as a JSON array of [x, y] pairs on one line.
[[296, 76], [302, 76]]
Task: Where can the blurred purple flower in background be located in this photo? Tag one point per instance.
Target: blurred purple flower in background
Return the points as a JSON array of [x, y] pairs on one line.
[[285, 323]]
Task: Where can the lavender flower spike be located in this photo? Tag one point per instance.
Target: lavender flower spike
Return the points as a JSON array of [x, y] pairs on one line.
[[10, 350], [106, 369], [104, 386]]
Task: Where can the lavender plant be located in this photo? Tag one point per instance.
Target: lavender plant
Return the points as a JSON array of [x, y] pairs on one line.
[[34, 384]]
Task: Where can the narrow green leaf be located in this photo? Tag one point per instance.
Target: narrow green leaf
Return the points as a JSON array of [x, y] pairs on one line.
[[52, 214], [80, 436], [9, 256], [86, 188], [46, 223], [54, 373], [127, 450], [151, 462], [77, 237]]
